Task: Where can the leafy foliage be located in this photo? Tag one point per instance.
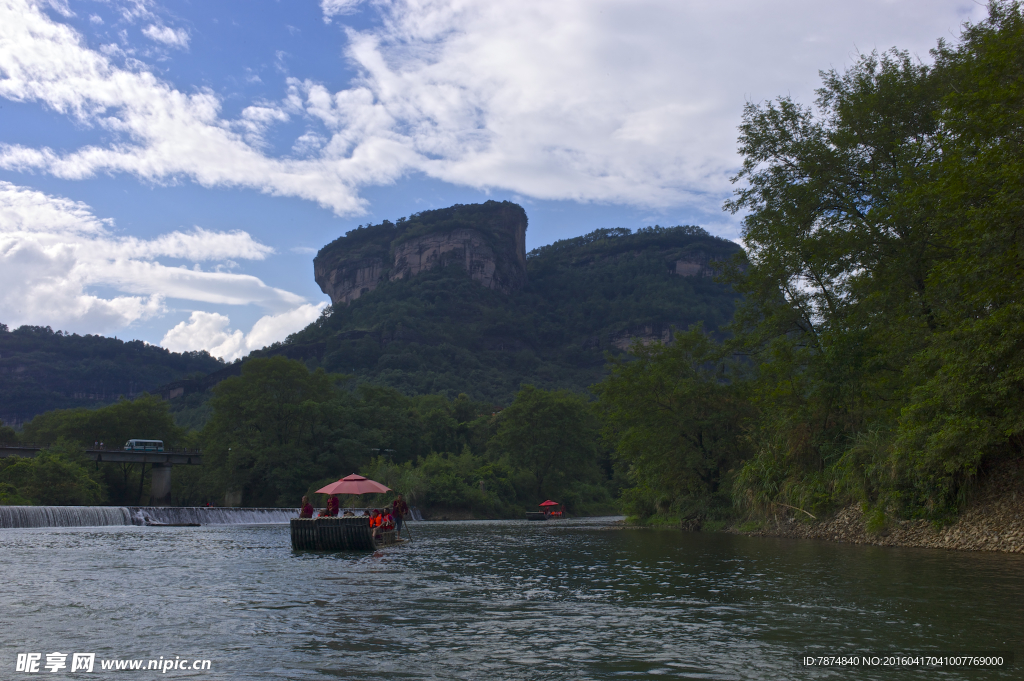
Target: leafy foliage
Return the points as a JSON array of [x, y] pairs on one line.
[[280, 431], [7, 434], [554, 436], [882, 304], [146, 417], [880, 315], [675, 416], [57, 476]]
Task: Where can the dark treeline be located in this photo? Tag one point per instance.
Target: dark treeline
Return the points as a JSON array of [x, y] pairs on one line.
[[42, 369], [875, 353], [280, 431]]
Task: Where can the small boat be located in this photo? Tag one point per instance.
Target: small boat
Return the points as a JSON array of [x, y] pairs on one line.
[[339, 534], [548, 512]]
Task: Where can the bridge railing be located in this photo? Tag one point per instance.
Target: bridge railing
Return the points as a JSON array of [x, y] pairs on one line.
[[105, 448]]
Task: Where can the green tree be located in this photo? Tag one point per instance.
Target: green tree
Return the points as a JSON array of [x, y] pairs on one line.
[[968, 383], [676, 415], [554, 435], [145, 417], [835, 299], [56, 476], [274, 429], [881, 302]]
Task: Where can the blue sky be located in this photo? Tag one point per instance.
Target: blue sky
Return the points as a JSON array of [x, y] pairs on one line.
[[168, 170]]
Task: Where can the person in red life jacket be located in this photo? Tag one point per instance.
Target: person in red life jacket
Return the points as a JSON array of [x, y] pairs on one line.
[[388, 521], [332, 505], [398, 509], [307, 508]]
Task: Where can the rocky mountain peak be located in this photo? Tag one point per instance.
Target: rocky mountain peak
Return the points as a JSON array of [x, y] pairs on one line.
[[488, 240]]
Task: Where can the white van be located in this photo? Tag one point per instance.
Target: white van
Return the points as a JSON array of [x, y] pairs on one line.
[[144, 446]]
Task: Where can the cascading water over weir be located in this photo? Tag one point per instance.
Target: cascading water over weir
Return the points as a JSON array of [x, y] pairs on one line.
[[99, 516], [64, 516], [208, 515]]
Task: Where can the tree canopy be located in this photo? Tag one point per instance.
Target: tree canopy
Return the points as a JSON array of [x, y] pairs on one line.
[[58, 476], [882, 303], [876, 346], [280, 431]]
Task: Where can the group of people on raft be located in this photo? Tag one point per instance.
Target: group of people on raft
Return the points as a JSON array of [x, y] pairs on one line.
[[381, 520]]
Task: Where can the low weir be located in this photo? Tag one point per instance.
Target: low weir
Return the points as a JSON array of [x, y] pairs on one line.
[[64, 516], [99, 516], [210, 515]]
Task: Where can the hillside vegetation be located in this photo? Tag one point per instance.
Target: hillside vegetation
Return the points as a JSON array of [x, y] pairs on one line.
[[441, 332], [42, 370]]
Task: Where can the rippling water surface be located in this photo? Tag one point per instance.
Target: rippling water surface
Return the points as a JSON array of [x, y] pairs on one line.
[[498, 600]]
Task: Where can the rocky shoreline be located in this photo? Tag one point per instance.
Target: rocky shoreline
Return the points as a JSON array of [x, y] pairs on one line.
[[992, 521]]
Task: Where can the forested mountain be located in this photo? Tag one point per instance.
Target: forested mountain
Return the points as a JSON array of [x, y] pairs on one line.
[[438, 319], [42, 369], [444, 329], [455, 306]]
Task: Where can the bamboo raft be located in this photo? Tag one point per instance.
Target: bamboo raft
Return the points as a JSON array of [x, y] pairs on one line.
[[338, 534]]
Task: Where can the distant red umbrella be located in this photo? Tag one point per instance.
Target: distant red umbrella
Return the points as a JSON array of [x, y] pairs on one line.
[[354, 484], [549, 503]]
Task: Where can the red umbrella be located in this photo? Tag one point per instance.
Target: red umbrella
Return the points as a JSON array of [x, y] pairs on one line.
[[549, 503], [354, 484]]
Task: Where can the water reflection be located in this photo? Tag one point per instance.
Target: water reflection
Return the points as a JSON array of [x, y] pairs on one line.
[[500, 600]]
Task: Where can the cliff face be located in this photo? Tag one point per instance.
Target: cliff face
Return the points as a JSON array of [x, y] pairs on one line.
[[697, 264], [347, 281], [464, 246], [488, 240]]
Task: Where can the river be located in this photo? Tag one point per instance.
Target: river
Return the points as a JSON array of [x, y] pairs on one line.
[[498, 600]]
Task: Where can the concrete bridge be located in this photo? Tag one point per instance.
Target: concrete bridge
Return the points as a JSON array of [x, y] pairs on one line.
[[161, 463]]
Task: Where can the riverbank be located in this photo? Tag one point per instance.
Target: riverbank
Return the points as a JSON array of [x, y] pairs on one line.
[[992, 521]]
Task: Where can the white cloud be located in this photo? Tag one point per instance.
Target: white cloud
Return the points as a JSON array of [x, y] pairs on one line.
[[132, 10], [256, 119], [55, 255], [211, 331], [60, 7], [167, 35], [161, 132], [593, 100], [333, 8], [633, 102]]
